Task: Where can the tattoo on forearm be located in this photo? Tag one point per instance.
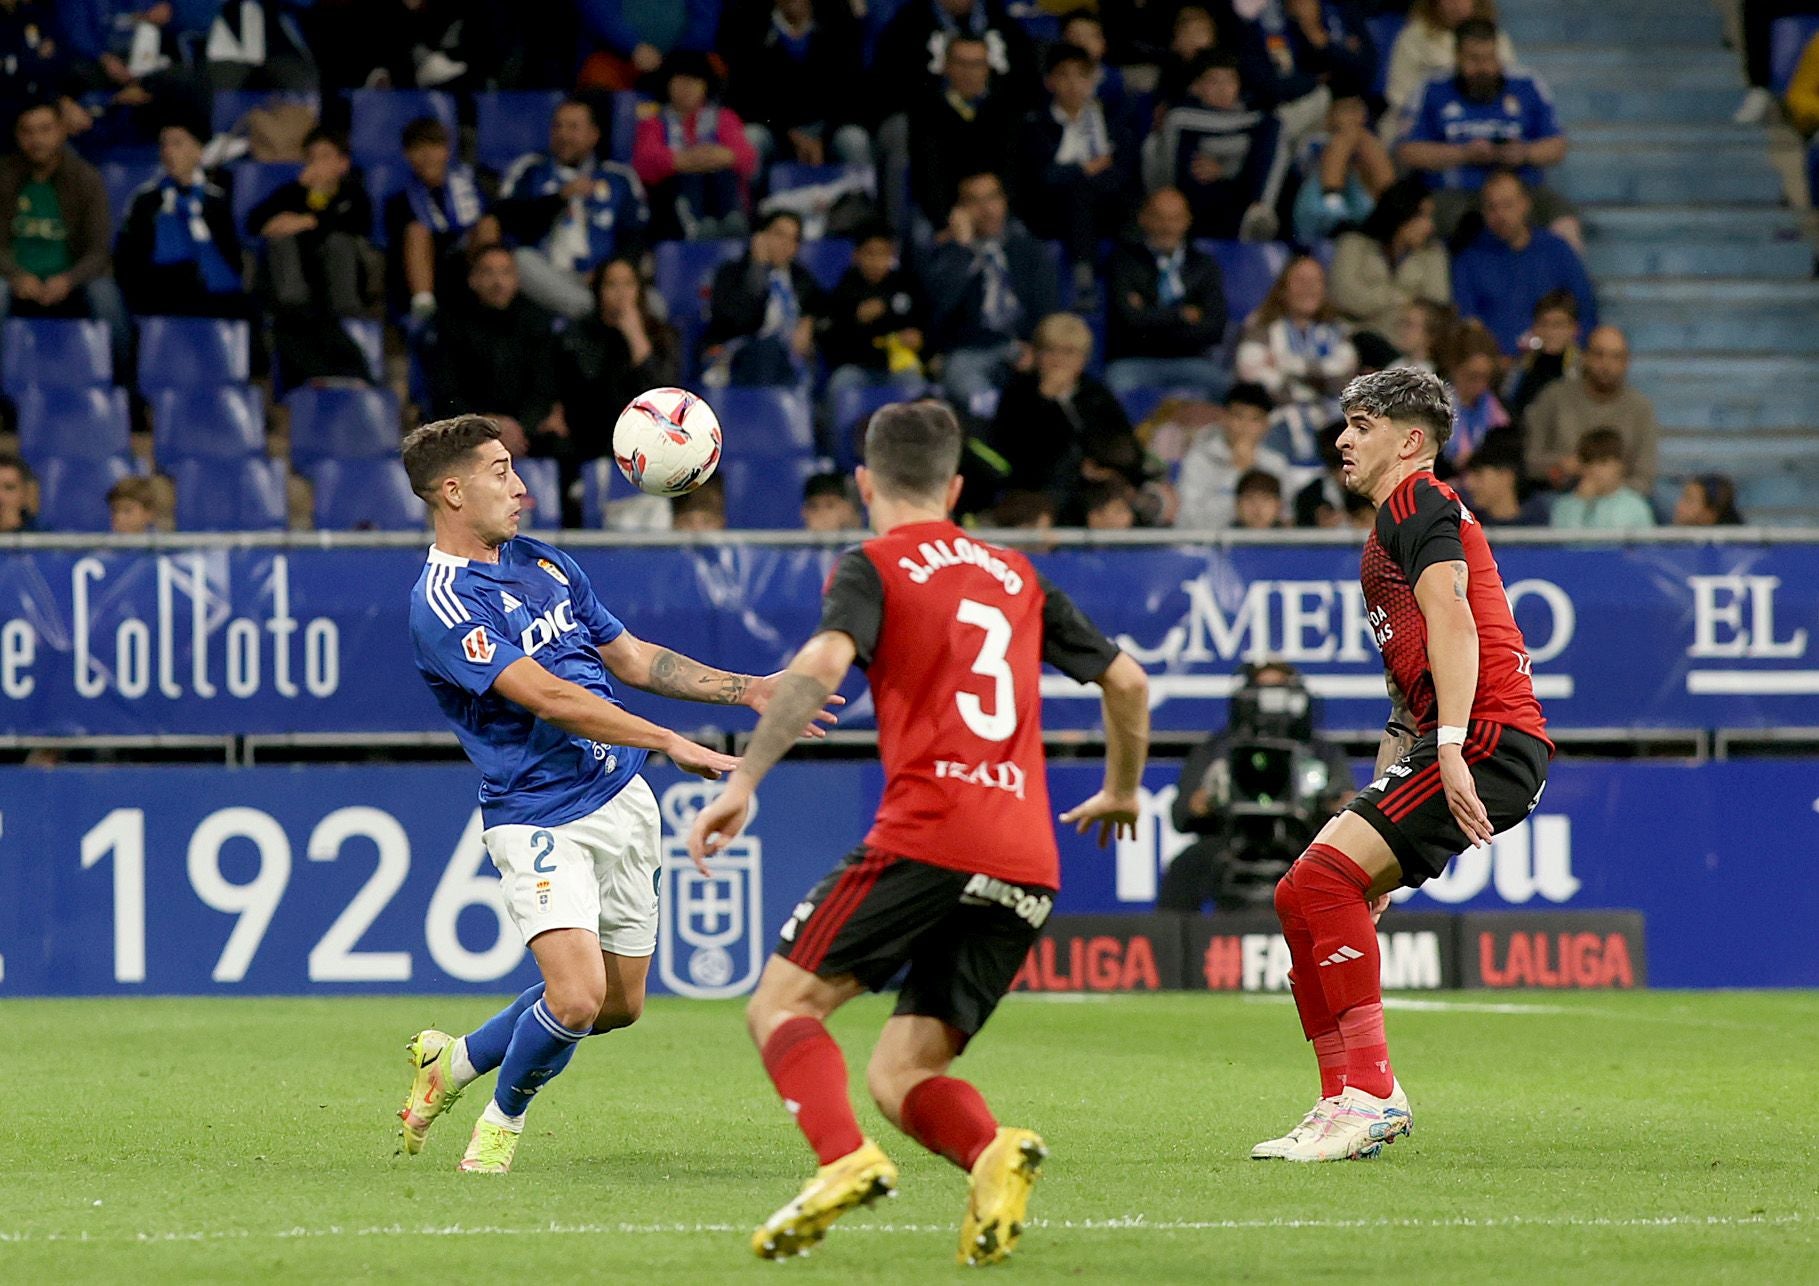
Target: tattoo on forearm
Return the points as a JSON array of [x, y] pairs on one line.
[[796, 702], [675, 675], [1459, 582]]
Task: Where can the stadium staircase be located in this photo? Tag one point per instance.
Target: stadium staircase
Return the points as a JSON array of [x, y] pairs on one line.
[[1692, 247]]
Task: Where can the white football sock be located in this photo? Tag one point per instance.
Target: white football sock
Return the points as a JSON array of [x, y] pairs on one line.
[[461, 1066], [494, 1114]]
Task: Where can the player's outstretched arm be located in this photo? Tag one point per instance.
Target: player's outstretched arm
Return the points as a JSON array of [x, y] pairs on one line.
[[667, 673], [1124, 696], [1452, 656], [573, 708], [801, 690]]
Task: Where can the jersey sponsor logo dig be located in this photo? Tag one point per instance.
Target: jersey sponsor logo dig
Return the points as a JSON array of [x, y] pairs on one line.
[[547, 628]]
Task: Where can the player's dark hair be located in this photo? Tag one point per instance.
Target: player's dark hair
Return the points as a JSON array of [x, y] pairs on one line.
[[1061, 55], [913, 448], [1475, 29], [425, 129], [433, 451], [1405, 395]]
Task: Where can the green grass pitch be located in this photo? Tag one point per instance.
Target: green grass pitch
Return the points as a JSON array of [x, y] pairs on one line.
[[1593, 1138]]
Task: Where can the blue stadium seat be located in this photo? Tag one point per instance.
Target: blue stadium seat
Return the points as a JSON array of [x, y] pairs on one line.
[[192, 352], [231, 495], [509, 123], [766, 494], [1788, 39], [683, 274], [122, 181], [365, 495], [1250, 268], [340, 423], [72, 493], [851, 409], [253, 182], [764, 423], [380, 115], [1383, 29], [222, 422], [543, 490], [73, 423], [54, 352], [827, 259], [228, 107], [622, 130]]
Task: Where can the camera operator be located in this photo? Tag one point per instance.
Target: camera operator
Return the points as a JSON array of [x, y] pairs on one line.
[[1255, 794]]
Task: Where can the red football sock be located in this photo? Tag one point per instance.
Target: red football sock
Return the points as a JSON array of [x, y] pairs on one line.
[[1332, 891], [949, 1118], [1329, 1053], [1317, 1021], [809, 1072]]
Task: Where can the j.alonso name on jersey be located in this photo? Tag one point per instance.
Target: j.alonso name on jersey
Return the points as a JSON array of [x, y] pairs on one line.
[[937, 555]]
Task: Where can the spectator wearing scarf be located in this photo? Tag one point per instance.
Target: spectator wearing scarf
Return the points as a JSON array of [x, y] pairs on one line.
[[435, 220], [568, 212], [694, 156], [178, 252]]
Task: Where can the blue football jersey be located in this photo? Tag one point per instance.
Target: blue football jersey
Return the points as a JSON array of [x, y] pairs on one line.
[[1522, 113], [469, 621]]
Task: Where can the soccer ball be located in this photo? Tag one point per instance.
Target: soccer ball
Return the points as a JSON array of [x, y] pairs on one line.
[[667, 441]]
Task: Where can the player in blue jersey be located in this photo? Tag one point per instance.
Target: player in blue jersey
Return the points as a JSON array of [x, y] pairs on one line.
[[521, 656]]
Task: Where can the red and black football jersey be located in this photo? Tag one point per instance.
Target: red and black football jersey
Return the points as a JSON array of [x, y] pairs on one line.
[[1423, 523], [953, 634]]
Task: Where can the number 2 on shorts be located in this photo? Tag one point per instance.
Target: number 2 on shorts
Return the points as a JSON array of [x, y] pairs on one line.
[[542, 865]]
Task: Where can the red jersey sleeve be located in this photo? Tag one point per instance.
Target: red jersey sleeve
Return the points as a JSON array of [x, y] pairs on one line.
[[1419, 526]]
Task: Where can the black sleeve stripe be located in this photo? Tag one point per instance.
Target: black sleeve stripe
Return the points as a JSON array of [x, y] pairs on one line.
[[854, 603], [1070, 641]]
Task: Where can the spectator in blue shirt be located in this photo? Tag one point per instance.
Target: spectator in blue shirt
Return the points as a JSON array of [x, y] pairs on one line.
[[1463, 128], [1500, 277], [568, 212]]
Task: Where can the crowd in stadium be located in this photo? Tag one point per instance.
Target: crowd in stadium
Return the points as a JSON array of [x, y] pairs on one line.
[[1140, 246]]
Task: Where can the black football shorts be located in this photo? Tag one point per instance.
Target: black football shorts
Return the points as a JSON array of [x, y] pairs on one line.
[[963, 935], [1407, 805]]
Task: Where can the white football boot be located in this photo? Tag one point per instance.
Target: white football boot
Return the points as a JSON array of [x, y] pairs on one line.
[[1276, 1149], [1357, 1127]]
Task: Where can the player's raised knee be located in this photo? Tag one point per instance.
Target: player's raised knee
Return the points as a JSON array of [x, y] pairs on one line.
[[576, 1006]]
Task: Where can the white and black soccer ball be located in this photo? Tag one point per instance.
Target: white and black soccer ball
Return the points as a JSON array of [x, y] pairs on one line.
[[667, 441]]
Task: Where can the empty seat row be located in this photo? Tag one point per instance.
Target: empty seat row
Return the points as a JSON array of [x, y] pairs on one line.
[[174, 352]]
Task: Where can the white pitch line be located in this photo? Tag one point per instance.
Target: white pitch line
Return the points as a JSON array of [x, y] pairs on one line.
[[1122, 1223]]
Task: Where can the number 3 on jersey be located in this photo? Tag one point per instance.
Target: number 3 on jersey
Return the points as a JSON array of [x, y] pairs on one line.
[[991, 663]]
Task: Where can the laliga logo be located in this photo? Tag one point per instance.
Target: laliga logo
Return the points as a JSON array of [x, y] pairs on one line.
[[708, 925]]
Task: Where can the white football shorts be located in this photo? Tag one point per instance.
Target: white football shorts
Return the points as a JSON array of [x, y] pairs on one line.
[[597, 872]]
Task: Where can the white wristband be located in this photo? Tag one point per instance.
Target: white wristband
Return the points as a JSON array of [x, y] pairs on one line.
[[1451, 736]]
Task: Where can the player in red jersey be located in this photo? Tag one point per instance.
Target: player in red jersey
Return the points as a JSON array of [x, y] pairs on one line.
[[960, 869], [1464, 755]]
